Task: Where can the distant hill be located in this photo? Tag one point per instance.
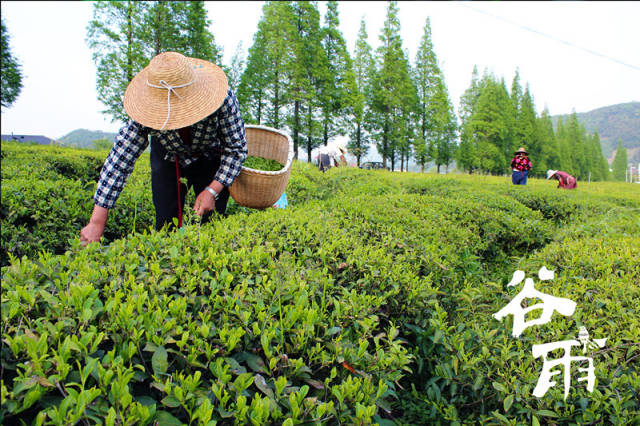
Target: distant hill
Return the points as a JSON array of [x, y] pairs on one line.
[[83, 138], [613, 123]]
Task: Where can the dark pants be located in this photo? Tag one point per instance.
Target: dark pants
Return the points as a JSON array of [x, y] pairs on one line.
[[324, 162], [164, 184], [519, 178]]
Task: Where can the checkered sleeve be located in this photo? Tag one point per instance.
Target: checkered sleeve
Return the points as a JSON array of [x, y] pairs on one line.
[[232, 137], [130, 142]]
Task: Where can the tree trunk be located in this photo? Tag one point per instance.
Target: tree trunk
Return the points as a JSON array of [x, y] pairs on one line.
[[276, 100], [260, 109], [325, 132], [385, 141], [296, 127], [358, 144], [129, 41], [157, 31], [309, 128]]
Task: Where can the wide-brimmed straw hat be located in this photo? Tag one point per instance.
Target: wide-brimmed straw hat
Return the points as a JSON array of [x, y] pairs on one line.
[[521, 150], [550, 173], [175, 91]]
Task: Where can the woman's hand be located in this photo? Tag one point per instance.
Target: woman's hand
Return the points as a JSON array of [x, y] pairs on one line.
[[95, 228], [204, 204], [91, 233]]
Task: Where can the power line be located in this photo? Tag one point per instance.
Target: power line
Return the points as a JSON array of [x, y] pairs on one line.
[[551, 37]]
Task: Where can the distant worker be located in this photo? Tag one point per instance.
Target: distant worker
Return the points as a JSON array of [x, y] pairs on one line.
[[331, 157], [565, 180], [520, 166]]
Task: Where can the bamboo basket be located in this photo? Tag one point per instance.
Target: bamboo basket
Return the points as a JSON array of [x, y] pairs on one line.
[[260, 189]]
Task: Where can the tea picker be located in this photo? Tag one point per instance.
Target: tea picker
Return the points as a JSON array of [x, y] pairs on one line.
[[185, 109], [565, 180], [520, 166], [331, 157]]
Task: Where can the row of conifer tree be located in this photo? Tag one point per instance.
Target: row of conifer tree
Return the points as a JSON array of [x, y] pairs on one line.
[[299, 75]]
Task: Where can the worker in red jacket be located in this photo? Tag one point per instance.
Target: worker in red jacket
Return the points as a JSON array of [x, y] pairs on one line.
[[520, 165], [565, 180]]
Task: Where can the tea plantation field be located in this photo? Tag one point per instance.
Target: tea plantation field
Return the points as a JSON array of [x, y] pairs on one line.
[[368, 300]]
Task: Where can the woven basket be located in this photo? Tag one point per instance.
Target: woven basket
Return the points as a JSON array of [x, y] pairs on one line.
[[260, 189]]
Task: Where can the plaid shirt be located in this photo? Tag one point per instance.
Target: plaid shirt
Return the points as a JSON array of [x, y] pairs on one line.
[[223, 130]]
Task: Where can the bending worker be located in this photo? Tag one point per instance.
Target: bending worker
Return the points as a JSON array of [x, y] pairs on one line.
[[331, 157], [565, 180], [186, 109]]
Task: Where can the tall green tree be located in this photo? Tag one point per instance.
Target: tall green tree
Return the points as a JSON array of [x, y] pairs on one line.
[[117, 39], [159, 29], [619, 164], [125, 35], [427, 76], [547, 156], [364, 69], [592, 171], [235, 71], [489, 124], [11, 71], [514, 135], [252, 90], [466, 154], [279, 36], [309, 73], [576, 143], [600, 167], [405, 129], [340, 86], [564, 151], [196, 40], [445, 127], [525, 131], [265, 82], [393, 90], [181, 27], [507, 144]]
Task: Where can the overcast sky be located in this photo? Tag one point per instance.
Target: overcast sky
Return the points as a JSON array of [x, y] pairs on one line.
[[573, 55]]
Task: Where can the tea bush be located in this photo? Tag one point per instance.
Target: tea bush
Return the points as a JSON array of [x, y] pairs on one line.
[[368, 300], [50, 162], [47, 199]]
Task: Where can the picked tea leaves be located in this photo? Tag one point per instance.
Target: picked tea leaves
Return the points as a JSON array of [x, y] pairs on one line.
[[259, 163]]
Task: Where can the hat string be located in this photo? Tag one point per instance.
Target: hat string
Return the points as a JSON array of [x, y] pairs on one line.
[[170, 88]]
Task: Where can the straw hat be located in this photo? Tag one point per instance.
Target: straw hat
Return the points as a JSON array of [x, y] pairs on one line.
[[550, 173], [175, 91], [521, 150]]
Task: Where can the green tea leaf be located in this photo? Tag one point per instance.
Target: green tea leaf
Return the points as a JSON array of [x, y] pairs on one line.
[[333, 330], [534, 421], [166, 418], [262, 385], [159, 361], [546, 413], [508, 401], [499, 387], [253, 361], [170, 401]]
